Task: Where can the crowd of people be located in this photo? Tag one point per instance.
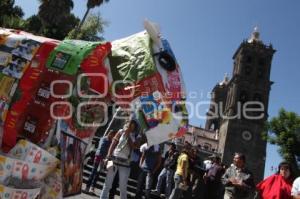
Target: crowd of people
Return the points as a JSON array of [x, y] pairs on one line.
[[179, 173]]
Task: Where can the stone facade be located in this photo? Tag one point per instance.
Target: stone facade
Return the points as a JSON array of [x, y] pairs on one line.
[[242, 106]]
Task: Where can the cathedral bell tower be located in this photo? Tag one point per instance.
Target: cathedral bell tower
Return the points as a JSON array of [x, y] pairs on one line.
[[246, 108]]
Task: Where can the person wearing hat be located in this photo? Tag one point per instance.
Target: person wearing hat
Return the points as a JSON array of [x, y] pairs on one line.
[[167, 173], [212, 178], [101, 153]]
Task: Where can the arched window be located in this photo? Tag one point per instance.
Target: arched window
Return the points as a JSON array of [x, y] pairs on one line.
[[212, 126], [248, 59], [207, 146]]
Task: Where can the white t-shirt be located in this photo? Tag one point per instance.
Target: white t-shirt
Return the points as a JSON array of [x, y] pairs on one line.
[[296, 187], [144, 147]]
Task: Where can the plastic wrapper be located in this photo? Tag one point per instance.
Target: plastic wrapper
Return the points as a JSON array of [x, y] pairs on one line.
[[141, 88], [3, 111], [94, 65], [68, 55], [7, 84], [33, 75], [6, 165], [16, 51], [52, 188], [25, 150], [172, 79], [131, 58], [22, 170], [28, 86], [164, 118], [13, 193]]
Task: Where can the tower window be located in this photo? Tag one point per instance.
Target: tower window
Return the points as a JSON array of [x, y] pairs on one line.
[[261, 62], [248, 59], [260, 72], [212, 126]]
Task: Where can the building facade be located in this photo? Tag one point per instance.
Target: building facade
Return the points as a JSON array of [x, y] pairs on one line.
[[239, 107]]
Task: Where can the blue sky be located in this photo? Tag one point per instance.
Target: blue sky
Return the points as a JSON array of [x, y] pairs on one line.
[[204, 34]]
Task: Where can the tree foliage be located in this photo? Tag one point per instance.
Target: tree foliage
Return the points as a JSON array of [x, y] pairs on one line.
[[91, 29], [10, 15], [285, 132], [94, 3], [90, 4], [33, 24], [56, 18]]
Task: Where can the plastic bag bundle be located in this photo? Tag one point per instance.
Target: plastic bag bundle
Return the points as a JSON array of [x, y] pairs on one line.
[[55, 94]]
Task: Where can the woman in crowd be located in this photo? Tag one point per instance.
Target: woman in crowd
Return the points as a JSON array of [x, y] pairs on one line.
[[296, 189], [181, 174], [119, 153], [277, 186]]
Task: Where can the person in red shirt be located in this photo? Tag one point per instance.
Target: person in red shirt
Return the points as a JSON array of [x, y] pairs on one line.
[[277, 186]]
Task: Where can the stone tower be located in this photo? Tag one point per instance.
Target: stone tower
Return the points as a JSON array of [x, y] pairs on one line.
[[217, 105], [246, 108]]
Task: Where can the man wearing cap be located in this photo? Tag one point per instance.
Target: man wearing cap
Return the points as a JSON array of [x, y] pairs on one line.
[[212, 178]]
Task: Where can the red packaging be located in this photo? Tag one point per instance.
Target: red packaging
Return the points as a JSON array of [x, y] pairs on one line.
[[143, 87], [94, 64]]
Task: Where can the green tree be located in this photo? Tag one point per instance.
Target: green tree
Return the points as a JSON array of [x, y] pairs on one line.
[[90, 4], [52, 12], [33, 24], [285, 132], [10, 15], [91, 29], [56, 18]]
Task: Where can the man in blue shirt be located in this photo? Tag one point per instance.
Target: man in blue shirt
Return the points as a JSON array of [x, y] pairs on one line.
[[100, 155]]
